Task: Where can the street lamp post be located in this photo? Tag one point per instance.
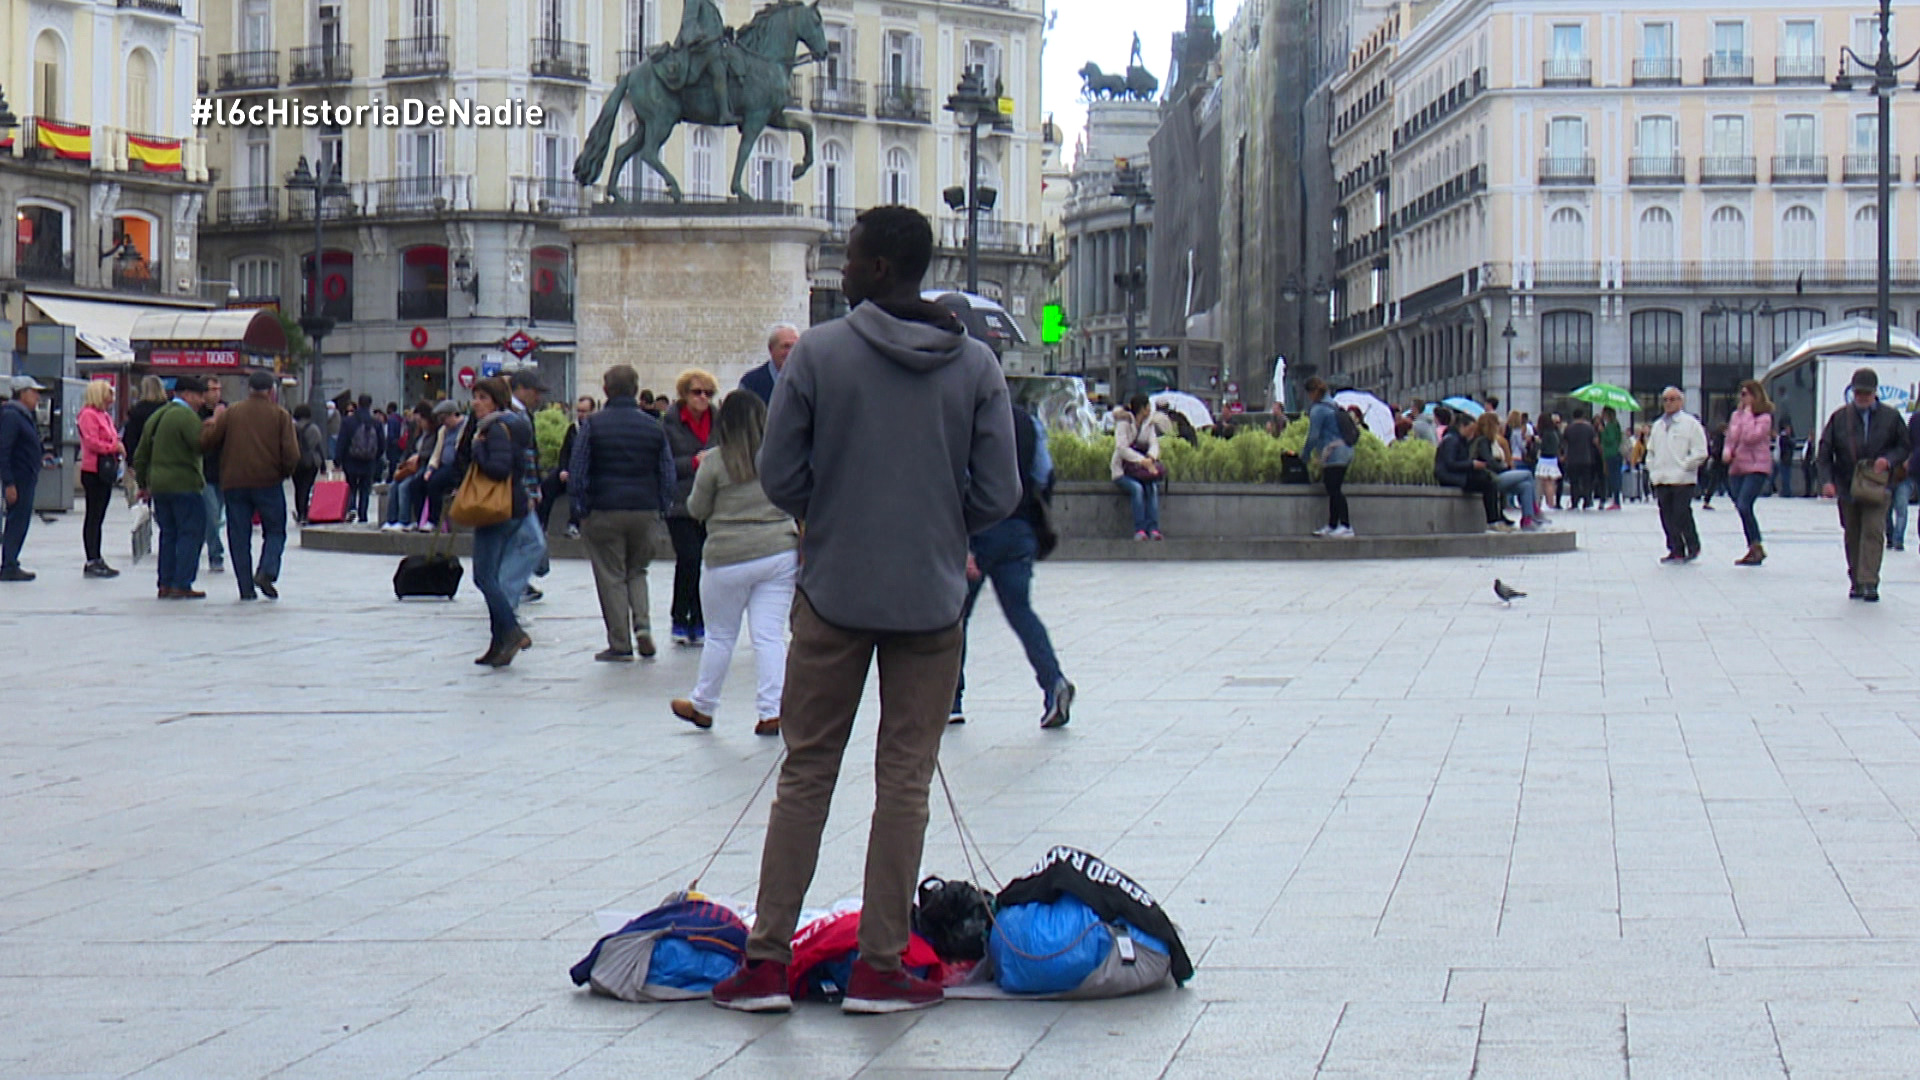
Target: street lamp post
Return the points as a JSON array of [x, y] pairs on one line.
[[1885, 69], [1294, 294], [1130, 183], [971, 106], [1507, 334], [323, 182]]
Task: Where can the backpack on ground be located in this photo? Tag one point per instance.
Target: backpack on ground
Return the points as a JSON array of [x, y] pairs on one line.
[[676, 952], [954, 917], [435, 575], [1065, 949], [365, 444]]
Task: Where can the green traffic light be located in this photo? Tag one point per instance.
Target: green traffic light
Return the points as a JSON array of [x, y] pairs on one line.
[[1053, 324]]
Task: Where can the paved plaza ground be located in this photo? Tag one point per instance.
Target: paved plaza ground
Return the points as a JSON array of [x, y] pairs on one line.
[[1648, 822]]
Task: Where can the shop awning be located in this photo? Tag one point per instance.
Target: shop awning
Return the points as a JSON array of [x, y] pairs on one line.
[[104, 327]]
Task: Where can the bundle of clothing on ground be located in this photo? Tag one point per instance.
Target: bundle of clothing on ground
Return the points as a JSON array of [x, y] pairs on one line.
[[1073, 928]]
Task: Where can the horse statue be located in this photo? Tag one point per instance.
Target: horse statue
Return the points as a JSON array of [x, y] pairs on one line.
[[761, 54], [1096, 85], [1141, 84]]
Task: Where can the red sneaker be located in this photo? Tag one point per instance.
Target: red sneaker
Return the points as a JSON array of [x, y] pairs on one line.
[[871, 990], [759, 986]]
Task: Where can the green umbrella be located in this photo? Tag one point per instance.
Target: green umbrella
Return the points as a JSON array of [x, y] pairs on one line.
[[1606, 394]]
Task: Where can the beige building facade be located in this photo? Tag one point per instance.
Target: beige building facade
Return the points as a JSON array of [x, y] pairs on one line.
[[1648, 194], [449, 243], [102, 176]]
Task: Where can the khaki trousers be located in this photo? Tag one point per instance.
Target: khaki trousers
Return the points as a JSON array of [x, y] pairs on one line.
[[620, 545], [826, 675], [1866, 532]]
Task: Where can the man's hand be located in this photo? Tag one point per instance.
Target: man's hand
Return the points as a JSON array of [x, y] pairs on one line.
[[13, 494], [1480, 466], [1880, 466], [1826, 491], [973, 567], [565, 476]]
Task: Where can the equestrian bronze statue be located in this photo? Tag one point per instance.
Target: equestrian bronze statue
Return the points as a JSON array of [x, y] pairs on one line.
[[714, 76]]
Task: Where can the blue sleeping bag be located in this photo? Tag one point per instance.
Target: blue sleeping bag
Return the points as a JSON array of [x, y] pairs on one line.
[[1052, 948]]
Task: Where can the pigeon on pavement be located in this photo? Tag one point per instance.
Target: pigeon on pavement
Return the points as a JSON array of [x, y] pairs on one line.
[[1507, 593]]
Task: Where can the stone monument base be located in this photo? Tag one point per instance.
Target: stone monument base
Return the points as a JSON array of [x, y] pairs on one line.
[[668, 293]]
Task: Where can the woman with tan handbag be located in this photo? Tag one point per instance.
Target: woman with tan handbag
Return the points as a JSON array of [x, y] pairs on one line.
[[493, 499]]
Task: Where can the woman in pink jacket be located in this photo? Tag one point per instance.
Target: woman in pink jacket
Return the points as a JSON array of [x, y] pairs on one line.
[[1749, 458], [100, 456]]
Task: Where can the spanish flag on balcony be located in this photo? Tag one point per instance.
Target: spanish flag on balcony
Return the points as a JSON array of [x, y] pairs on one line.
[[71, 141], [155, 155]]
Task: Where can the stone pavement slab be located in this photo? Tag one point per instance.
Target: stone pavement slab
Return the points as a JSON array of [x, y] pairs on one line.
[[1649, 821]]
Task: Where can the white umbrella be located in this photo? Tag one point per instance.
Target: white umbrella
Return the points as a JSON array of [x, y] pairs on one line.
[[1376, 414], [1186, 405]]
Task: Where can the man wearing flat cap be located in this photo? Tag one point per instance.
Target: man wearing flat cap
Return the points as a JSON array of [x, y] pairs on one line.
[[258, 453], [20, 458], [1863, 443], [167, 465]]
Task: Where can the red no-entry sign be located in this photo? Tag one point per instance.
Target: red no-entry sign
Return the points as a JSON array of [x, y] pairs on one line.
[[466, 377]]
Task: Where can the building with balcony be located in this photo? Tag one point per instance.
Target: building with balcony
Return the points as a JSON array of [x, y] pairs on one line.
[[102, 177], [1362, 144], [449, 240], [1648, 195]]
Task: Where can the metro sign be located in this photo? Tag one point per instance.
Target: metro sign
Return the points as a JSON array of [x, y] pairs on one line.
[[520, 344]]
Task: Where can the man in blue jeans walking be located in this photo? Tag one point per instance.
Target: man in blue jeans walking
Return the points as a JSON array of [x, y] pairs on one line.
[[258, 453], [1004, 554]]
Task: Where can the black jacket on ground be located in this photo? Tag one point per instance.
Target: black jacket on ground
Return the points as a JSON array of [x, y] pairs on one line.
[[621, 461], [1843, 442], [1112, 895]]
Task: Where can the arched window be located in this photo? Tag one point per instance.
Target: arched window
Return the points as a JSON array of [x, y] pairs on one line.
[[43, 240], [834, 204], [1566, 352], [49, 76], [702, 174], [142, 78], [1864, 243], [1799, 236], [1655, 352], [1567, 237], [1792, 324], [550, 285], [1727, 236], [1655, 241], [769, 169], [257, 277], [423, 282], [897, 185]]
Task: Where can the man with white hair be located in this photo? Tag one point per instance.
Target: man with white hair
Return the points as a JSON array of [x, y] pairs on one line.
[[761, 379]]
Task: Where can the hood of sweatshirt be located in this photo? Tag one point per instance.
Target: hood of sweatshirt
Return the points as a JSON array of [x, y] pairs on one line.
[[918, 336]]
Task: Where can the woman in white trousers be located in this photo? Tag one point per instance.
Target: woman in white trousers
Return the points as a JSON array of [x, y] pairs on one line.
[[751, 561]]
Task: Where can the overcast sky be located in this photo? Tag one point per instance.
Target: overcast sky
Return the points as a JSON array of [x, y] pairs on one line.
[[1102, 31]]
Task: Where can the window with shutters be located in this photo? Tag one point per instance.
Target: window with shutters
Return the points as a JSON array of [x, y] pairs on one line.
[[1863, 244], [140, 82], [1799, 236], [256, 277], [898, 181], [702, 173], [49, 75], [1655, 239], [769, 169], [1727, 236], [902, 58]]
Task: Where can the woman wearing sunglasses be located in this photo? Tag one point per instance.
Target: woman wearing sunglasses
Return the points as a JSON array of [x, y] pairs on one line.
[[689, 425]]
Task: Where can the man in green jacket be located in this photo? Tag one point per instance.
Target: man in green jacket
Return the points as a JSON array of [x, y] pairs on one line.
[[167, 466]]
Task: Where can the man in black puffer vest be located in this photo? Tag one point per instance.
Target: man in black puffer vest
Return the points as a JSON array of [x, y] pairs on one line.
[[621, 481], [1005, 554]]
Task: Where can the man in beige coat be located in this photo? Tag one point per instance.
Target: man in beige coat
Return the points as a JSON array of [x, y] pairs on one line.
[[258, 452]]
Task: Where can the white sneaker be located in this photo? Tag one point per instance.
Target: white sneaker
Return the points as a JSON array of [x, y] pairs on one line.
[[1342, 533], [1324, 531]]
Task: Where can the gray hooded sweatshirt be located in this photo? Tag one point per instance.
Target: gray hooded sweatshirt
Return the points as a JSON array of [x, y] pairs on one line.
[[892, 440]]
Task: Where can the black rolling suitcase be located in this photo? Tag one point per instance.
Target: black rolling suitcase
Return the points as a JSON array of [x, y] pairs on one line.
[[436, 573]]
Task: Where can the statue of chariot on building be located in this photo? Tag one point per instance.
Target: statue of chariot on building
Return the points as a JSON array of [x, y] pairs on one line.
[[1138, 84], [713, 75]]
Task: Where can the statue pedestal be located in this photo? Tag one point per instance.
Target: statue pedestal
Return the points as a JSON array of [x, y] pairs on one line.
[[668, 293]]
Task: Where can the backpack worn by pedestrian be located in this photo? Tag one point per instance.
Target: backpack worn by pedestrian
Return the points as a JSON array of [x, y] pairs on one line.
[[365, 445], [1349, 428]]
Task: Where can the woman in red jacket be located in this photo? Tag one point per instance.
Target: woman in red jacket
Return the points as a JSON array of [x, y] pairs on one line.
[[1748, 455], [101, 453]]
